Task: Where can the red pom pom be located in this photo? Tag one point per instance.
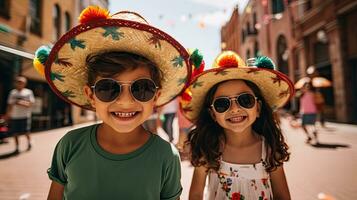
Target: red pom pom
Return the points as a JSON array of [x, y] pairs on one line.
[[197, 71], [228, 59], [186, 96], [93, 13]]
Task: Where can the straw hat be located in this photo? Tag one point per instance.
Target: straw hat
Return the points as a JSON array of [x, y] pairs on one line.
[[276, 87], [65, 64]]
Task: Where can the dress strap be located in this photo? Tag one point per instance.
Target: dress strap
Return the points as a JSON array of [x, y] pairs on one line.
[[263, 149]]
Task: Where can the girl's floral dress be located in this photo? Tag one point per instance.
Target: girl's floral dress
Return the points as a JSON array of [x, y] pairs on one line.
[[241, 181]]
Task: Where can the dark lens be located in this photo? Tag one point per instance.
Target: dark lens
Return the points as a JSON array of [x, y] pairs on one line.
[[107, 90], [246, 100], [143, 90], [221, 104]]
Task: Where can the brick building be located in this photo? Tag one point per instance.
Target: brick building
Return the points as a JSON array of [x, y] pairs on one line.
[[299, 34], [24, 26]]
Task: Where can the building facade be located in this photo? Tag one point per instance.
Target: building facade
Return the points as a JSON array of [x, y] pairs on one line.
[[299, 34], [24, 26]]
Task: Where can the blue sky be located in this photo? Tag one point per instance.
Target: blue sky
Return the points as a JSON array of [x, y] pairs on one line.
[[194, 23]]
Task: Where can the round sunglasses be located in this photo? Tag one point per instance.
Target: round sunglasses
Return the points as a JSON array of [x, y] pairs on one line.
[[107, 89], [222, 104]]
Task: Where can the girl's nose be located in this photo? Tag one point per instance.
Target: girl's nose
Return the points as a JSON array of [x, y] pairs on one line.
[[234, 105]]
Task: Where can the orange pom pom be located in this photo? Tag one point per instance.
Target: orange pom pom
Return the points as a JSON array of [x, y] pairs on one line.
[[93, 13], [228, 59]]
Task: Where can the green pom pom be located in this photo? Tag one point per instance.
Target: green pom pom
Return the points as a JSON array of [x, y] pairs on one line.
[[42, 53], [264, 62], [196, 58]]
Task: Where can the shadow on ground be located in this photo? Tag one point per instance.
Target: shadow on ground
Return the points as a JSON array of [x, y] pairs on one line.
[[330, 145], [9, 155]]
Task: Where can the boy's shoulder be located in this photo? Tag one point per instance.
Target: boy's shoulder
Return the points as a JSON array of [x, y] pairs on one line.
[[165, 148]]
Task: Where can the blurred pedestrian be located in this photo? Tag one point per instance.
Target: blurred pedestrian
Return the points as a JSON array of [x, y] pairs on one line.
[[184, 128], [308, 110], [168, 112], [18, 111], [152, 122], [320, 106]]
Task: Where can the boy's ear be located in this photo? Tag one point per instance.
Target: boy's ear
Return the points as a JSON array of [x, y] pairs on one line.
[[89, 94], [157, 95]]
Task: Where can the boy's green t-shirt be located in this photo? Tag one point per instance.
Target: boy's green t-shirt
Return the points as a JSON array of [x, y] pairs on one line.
[[88, 172]]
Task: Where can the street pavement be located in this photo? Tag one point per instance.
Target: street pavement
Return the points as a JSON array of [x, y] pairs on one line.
[[324, 171]]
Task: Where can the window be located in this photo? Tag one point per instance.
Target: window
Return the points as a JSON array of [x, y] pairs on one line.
[[277, 6], [4, 8], [255, 22], [56, 22], [248, 55], [67, 25], [35, 15], [256, 49]]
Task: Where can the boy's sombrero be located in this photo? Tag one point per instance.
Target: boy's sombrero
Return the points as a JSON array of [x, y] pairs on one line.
[[276, 87], [65, 64]]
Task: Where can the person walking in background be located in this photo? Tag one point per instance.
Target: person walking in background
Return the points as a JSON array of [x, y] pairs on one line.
[[168, 112], [320, 106], [236, 142], [308, 110], [18, 111]]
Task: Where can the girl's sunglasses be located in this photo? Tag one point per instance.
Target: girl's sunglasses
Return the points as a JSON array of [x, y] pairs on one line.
[[245, 100], [107, 89]]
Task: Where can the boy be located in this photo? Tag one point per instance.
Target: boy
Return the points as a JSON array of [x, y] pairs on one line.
[[120, 67]]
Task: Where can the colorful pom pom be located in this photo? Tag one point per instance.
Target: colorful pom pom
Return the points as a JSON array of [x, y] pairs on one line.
[[197, 71], [42, 53], [264, 62], [40, 68], [186, 96], [41, 56], [93, 13], [228, 59], [196, 58]]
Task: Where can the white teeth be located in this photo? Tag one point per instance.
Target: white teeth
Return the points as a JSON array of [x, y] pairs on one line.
[[236, 119], [124, 114]]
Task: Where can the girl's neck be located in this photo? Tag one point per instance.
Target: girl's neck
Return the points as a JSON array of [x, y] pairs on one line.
[[241, 139]]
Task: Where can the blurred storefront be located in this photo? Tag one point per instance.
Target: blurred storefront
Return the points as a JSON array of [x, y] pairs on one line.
[[24, 26], [302, 33]]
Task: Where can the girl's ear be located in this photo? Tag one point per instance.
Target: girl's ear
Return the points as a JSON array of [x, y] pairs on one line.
[[259, 108], [89, 93], [212, 114]]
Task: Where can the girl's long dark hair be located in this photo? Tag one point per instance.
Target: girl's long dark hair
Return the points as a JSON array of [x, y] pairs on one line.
[[207, 138]]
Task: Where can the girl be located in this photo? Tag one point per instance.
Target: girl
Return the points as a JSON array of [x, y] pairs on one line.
[[236, 142]]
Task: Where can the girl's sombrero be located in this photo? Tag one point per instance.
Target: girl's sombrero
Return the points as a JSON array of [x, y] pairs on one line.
[[65, 64], [276, 87]]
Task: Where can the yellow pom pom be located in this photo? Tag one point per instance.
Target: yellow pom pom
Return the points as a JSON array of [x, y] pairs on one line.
[[40, 68]]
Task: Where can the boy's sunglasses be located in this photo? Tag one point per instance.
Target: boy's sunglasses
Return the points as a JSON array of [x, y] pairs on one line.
[[107, 89], [245, 100]]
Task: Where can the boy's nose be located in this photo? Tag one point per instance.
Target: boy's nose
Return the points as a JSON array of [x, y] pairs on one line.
[[125, 96]]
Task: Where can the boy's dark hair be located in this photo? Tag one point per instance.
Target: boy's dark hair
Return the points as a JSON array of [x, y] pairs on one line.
[[110, 64], [207, 138]]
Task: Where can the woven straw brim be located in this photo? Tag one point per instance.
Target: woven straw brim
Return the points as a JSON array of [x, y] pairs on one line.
[[66, 70], [276, 88]]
